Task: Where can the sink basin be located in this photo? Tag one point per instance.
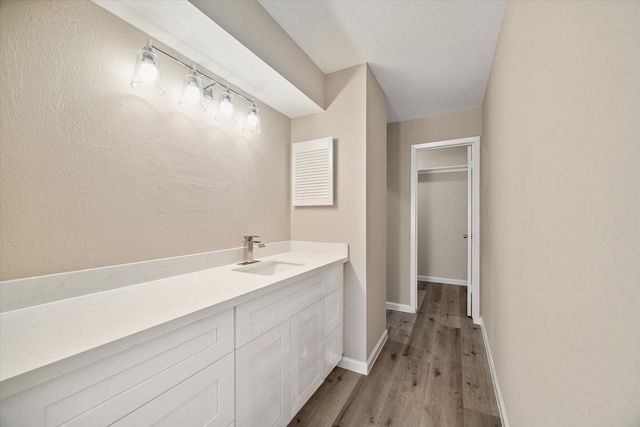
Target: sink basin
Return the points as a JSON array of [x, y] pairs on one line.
[[268, 268]]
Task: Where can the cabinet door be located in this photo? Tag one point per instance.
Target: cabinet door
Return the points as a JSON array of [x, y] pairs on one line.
[[263, 396], [204, 399], [332, 350], [307, 354]]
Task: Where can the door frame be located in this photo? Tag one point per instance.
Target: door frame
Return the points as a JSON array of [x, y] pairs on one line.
[[474, 143]]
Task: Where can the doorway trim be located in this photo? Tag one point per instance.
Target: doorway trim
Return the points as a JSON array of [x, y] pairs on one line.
[[474, 143]]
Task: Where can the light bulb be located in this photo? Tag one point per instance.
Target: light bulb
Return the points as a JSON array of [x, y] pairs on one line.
[[252, 119], [226, 108], [148, 72], [192, 93], [192, 98], [252, 122]]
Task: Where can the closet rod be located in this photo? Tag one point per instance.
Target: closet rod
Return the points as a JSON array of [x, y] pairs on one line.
[[444, 169]]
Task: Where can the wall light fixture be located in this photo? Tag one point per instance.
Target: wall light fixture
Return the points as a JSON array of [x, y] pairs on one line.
[[192, 92], [147, 77], [226, 109], [146, 74], [252, 124]]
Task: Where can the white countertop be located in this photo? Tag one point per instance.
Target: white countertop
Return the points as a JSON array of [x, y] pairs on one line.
[[39, 337]]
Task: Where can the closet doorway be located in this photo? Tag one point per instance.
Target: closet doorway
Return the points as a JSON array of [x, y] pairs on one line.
[[445, 226]]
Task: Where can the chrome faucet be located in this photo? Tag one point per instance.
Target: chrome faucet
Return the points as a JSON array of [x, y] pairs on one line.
[[248, 249]]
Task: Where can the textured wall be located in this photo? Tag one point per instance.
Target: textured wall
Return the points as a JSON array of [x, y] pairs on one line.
[[561, 213], [94, 173], [400, 137]]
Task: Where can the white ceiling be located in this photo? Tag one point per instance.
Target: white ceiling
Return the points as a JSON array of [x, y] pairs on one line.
[[430, 57]]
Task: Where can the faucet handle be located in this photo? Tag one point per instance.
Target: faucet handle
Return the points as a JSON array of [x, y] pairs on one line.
[[249, 238]]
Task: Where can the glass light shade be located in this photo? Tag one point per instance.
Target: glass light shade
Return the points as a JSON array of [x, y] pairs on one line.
[[146, 74], [226, 109], [252, 123], [192, 98]]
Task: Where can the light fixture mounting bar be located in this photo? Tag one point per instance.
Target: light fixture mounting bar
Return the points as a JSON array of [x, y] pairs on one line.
[[202, 74]]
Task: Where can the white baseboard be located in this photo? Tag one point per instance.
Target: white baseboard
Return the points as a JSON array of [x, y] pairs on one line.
[[444, 280], [353, 365], [376, 350], [405, 308], [361, 367], [496, 387]]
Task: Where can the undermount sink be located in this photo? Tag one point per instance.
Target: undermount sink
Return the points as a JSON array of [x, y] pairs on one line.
[[268, 268]]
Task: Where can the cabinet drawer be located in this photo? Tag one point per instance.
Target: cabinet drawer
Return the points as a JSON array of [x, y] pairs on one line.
[[102, 393], [333, 311], [204, 399], [259, 315]]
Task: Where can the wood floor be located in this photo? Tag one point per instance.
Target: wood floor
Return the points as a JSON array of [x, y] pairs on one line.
[[433, 371]]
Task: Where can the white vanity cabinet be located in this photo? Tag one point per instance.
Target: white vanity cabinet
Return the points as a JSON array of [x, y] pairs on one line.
[[185, 375], [286, 346], [238, 354]]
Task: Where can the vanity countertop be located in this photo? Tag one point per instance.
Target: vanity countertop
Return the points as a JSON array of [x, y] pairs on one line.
[[35, 339]]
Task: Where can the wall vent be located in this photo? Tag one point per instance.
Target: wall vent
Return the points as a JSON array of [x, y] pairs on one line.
[[312, 172]]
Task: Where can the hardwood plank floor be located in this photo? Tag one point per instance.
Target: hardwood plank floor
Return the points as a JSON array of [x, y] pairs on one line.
[[433, 371]]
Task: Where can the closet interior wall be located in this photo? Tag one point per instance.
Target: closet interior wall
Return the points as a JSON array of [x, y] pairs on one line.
[[442, 215]]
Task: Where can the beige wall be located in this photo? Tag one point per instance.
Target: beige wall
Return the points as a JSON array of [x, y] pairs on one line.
[[441, 157], [442, 215], [345, 221], [346, 120], [376, 211], [561, 213], [94, 174], [400, 137], [442, 222]]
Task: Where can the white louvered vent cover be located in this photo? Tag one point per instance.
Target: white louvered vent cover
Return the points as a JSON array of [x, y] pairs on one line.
[[312, 170]]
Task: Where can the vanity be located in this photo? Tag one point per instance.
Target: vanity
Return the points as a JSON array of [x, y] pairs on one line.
[[223, 346]]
